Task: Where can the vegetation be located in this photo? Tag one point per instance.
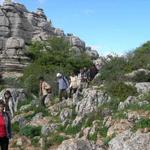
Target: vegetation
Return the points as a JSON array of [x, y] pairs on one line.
[[120, 90], [51, 57], [142, 123], [30, 131]]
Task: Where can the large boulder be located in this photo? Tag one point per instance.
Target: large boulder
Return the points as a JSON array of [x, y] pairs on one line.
[[143, 87], [91, 100], [75, 41], [78, 144], [14, 46], [130, 141], [17, 93]]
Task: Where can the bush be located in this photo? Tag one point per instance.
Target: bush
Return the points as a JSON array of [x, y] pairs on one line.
[[139, 58], [30, 131], [115, 69], [120, 90], [56, 139], [15, 127], [92, 137], [142, 123], [72, 130], [48, 58]]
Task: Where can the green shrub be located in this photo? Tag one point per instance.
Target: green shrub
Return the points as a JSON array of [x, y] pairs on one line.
[[141, 77], [56, 57], [72, 130], [103, 131], [35, 141], [119, 115], [115, 69], [41, 109], [55, 139], [15, 127], [139, 58], [142, 123], [91, 117], [92, 137], [120, 90], [30, 131]]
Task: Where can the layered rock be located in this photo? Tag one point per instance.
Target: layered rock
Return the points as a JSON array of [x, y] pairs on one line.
[[18, 27]]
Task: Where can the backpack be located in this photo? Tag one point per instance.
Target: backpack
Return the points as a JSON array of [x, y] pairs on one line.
[[66, 81]]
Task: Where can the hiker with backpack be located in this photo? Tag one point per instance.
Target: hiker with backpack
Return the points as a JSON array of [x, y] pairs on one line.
[[63, 85]]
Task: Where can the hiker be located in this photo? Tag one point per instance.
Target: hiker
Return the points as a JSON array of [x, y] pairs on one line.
[[73, 84], [5, 127], [9, 103], [63, 85], [45, 89]]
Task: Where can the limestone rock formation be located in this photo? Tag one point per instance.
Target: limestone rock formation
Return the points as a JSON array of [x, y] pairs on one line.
[[130, 141], [18, 27]]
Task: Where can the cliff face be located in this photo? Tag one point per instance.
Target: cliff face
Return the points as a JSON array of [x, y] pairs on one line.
[[18, 27]]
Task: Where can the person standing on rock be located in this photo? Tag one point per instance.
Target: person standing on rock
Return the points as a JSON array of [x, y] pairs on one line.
[[5, 127], [45, 89], [63, 85]]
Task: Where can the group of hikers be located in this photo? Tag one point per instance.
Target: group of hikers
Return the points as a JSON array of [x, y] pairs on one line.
[[68, 86]]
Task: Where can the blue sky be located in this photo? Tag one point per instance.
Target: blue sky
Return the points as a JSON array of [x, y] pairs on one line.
[[111, 26]]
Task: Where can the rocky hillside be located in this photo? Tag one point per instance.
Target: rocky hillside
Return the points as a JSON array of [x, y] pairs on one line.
[[18, 27], [113, 113], [91, 120]]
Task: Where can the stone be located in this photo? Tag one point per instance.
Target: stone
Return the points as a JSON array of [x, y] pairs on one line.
[[130, 141], [77, 121], [127, 102], [18, 27], [75, 144], [25, 107], [92, 53], [65, 114], [91, 100], [14, 46], [119, 127], [133, 116], [143, 87]]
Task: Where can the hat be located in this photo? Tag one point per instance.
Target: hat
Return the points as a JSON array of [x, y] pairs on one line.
[[58, 75]]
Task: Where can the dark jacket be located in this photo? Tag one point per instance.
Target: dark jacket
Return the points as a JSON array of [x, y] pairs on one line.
[[8, 124]]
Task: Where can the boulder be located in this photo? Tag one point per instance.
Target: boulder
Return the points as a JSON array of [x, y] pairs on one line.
[[75, 144], [143, 87], [65, 114], [130, 141], [91, 100]]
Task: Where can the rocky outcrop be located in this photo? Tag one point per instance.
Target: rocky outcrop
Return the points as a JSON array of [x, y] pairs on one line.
[[78, 144], [130, 141], [143, 87], [91, 100], [138, 75], [18, 27]]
